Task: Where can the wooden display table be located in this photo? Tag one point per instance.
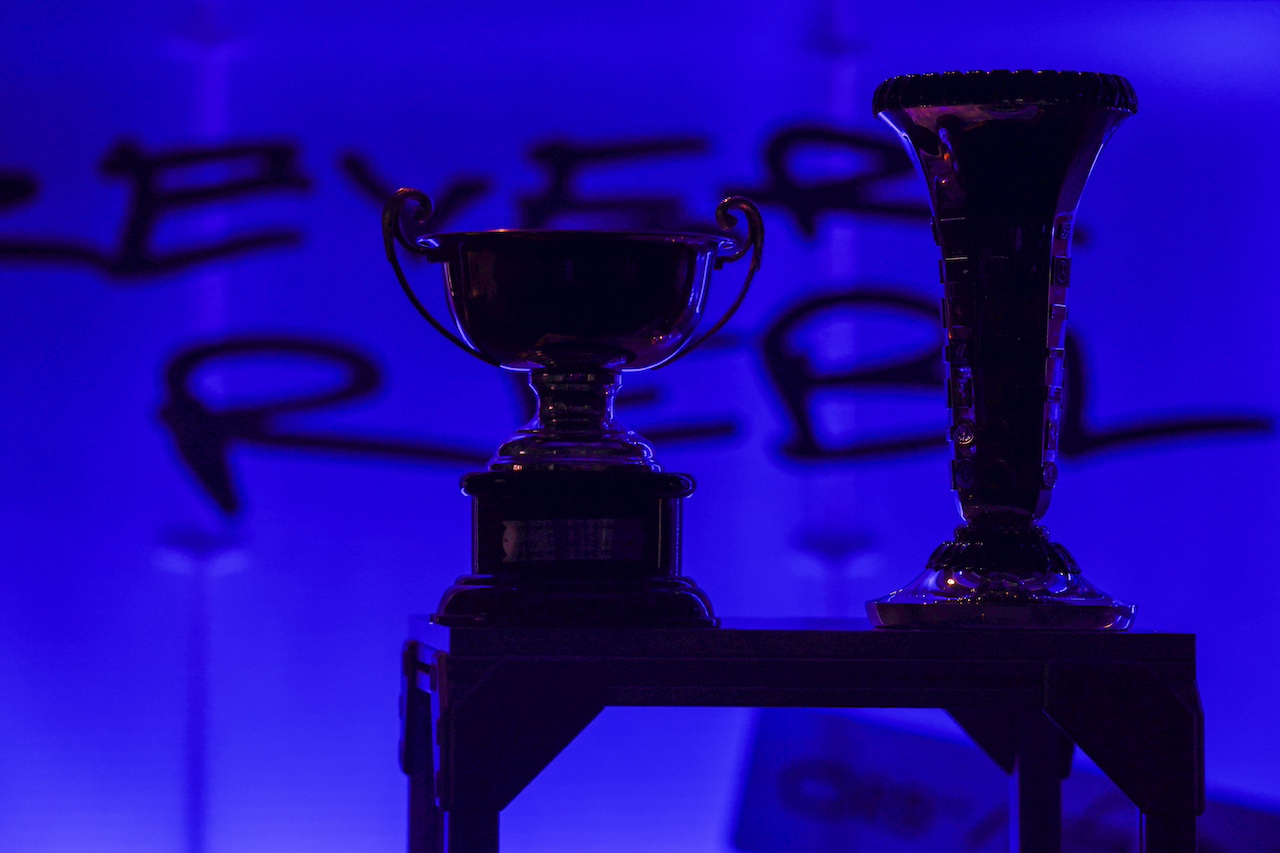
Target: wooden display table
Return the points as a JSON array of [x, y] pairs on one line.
[[483, 717]]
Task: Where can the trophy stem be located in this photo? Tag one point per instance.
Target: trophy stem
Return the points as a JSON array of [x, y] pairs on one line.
[[574, 427], [575, 399]]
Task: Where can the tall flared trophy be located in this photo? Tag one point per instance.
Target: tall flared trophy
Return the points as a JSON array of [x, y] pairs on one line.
[[1005, 156], [574, 523]]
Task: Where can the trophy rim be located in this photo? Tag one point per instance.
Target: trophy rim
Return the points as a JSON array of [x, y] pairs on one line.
[[687, 238], [999, 87]]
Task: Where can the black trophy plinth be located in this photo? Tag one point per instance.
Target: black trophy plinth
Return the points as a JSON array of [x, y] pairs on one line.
[[582, 548]]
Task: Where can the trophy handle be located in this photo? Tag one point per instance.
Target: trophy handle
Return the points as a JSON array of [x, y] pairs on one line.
[[755, 242], [393, 233]]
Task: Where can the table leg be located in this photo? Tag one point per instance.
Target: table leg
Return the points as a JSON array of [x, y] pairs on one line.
[[1043, 759], [1169, 833], [417, 754], [1037, 756], [471, 831]]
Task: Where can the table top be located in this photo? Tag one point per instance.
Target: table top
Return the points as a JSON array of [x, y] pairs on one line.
[[807, 638]]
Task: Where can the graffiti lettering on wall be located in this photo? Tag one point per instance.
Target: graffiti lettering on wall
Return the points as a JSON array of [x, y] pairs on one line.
[[205, 436], [161, 184], [798, 384], [862, 191]]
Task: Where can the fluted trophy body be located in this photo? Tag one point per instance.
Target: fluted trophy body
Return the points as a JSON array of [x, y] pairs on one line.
[[1005, 156]]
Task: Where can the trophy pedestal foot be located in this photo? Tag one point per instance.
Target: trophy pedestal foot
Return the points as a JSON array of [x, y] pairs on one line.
[[575, 548], [1001, 578], [538, 450], [902, 609]]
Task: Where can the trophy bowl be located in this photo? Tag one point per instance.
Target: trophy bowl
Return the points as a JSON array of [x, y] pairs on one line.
[[531, 299], [574, 309]]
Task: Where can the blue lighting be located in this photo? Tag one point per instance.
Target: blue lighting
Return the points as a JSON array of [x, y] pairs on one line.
[[201, 629]]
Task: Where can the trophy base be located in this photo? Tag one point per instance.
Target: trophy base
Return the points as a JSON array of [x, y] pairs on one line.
[[575, 548], [489, 601], [536, 449], [901, 611], [1001, 579]]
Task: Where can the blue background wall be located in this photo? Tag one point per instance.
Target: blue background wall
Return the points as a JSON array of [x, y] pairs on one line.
[[180, 676]]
